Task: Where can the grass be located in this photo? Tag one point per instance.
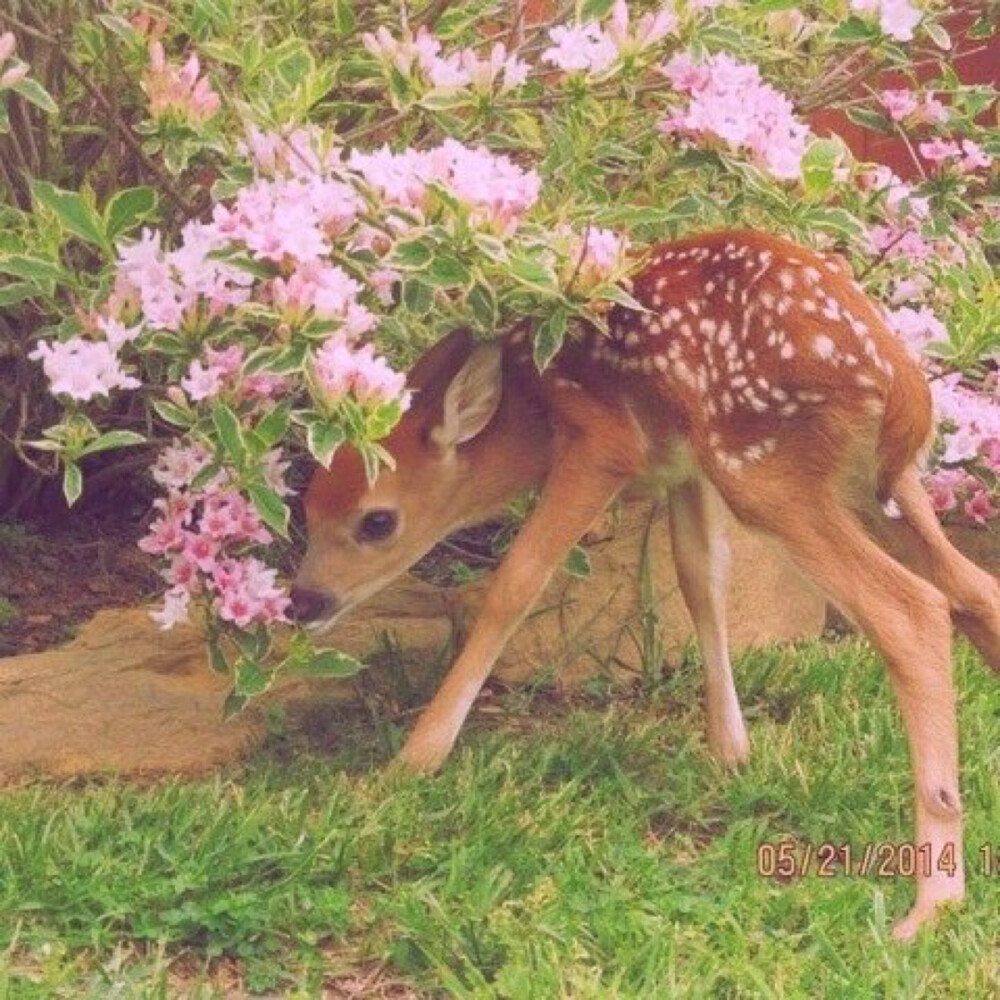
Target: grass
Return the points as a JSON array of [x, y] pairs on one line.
[[588, 851]]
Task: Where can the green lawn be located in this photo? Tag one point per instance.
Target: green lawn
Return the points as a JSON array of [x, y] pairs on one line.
[[585, 850]]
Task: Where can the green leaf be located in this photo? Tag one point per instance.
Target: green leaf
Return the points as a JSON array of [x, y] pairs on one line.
[[818, 165], [343, 16], [32, 91], [127, 209], [250, 680], [216, 657], [617, 294], [491, 247], [323, 438], [938, 35], [483, 304], [867, 118], [415, 254], [234, 704], [854, 29], [16, 291], [838, 221], [274, 426], [578, 563], [418, 296], [72, 483], [448, 272], [272, 509], [549, 338], [173, 414], [31, 268], [329, 663], [73, 212], [227, 425], [120, 26], [113, 439], [534, 273]]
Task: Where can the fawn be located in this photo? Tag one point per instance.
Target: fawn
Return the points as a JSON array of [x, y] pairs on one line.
[[759, 376]]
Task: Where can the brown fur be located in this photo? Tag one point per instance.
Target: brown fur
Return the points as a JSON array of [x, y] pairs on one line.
[[759, 372]]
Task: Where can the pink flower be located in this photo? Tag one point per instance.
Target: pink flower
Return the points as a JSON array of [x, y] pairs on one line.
[[979, 508], [82, 368], [202, 550], [202, 382], [582, 48], [939, 150], [166, 534], [897, 18], [730, 101], [178, 464], [495, 189], [178, 91], [341, 369], [899, 103], [116, 333], [176, 604], [918, 327], [974, 157], [630, 39], [249, 592], [594, 255]]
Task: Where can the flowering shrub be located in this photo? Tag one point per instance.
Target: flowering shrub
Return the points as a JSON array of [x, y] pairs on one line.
[[335, 206]]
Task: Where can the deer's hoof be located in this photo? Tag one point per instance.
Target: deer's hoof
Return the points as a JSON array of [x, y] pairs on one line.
[[423, 756], [924, 912], [729, 746]]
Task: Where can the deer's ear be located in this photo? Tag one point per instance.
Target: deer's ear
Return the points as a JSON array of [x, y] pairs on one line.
[[472, 397]]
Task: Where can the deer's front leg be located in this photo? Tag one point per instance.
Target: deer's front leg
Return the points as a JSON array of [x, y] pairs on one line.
[[581, 483]]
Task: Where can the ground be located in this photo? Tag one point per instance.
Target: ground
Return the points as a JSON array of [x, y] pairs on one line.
[[583, 848], [54, 576]]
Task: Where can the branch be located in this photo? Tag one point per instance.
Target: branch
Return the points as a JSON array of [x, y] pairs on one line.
[[121, 126]]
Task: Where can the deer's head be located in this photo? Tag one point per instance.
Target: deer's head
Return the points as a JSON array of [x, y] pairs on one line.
[[458, 452]]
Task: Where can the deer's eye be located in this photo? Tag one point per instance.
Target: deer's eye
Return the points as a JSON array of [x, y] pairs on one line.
[[376, 526]]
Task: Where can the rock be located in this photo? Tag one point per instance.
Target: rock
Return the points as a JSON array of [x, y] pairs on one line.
[[124, 696]]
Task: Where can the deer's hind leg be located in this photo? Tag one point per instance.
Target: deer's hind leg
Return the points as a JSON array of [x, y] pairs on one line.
[[701, 555], [918, 539], [907, 619]]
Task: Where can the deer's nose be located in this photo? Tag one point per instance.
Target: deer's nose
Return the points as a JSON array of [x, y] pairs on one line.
[[311, 605]]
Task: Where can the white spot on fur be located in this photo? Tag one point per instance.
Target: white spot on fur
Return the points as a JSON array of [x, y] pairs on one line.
[[824, 347]]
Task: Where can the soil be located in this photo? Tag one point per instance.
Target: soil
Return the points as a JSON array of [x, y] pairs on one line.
[[54, 576]]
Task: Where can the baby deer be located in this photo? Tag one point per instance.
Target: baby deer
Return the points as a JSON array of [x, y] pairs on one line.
[[759, 376]]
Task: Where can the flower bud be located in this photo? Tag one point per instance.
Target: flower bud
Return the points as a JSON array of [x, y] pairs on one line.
[[786, 25], [13, 76], [176, 395], [7, 45]]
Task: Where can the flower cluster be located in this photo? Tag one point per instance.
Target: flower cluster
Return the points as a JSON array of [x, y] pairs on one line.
[[360, 373], [419, 57], [81, 368], [202, 533], [181, 92], [897, 18], [903, 105], [594, 49], [968, 156], [731, 102], [496, 191]]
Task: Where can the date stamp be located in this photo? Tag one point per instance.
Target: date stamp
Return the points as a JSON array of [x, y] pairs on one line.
[[787, 859]]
